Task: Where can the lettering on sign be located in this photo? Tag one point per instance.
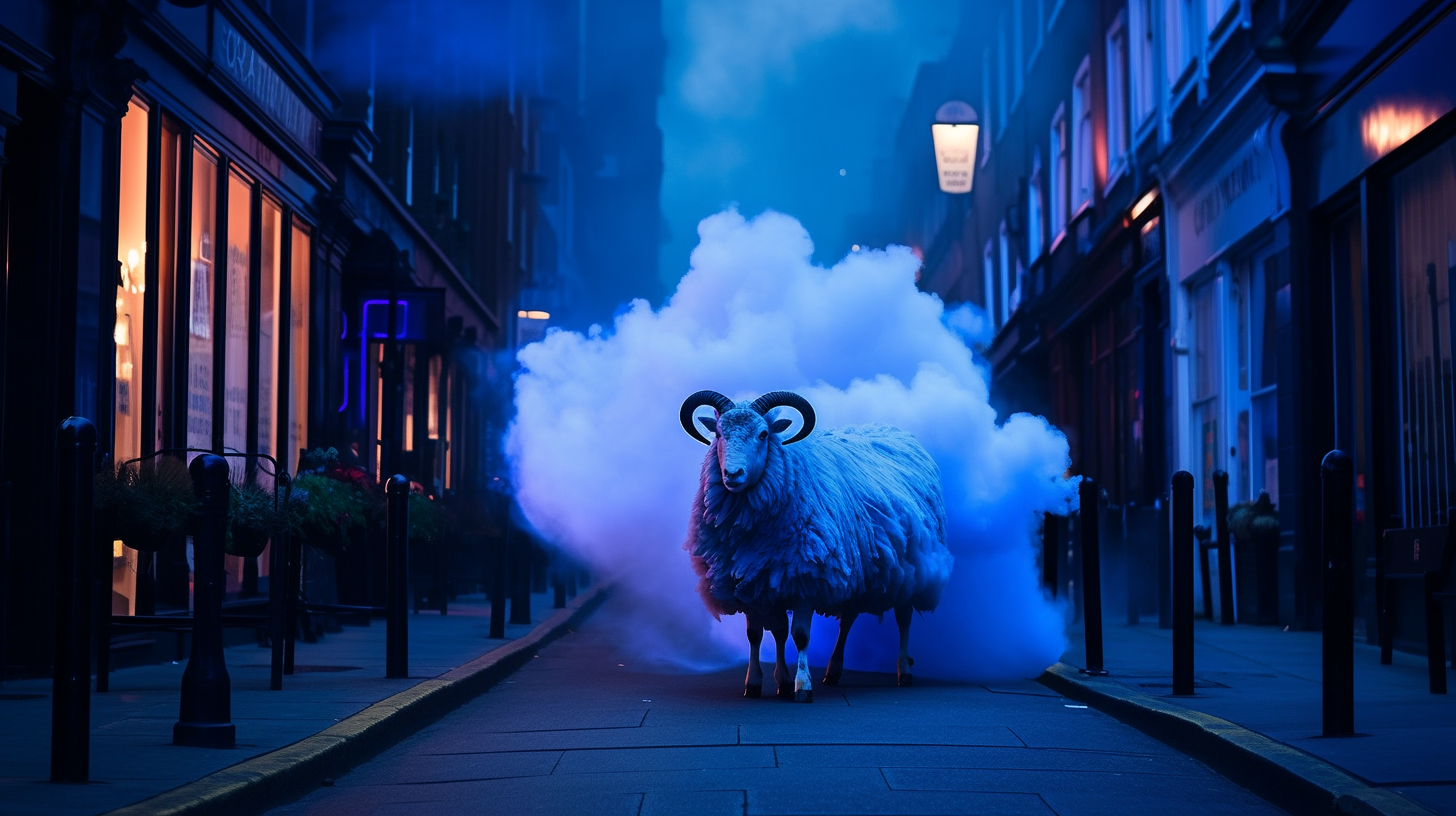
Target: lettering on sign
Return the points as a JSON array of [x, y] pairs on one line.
[[1225, 192], [241, 61]]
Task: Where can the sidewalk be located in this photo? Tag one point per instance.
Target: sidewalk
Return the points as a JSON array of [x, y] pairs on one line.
[[132, 756], [1268, 681]]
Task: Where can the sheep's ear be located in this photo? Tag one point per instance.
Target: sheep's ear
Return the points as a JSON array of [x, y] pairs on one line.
[[780, 425], [711, 423]]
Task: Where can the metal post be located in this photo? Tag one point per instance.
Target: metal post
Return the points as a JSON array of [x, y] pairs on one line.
[[1165, 565], [278, 585], [558, 583], [205, 720], [1183, 583], [1051, 543], [75, 561], [396, 604], [502, 567], [521, 581], [1435, 631], [1130, 562], [1091, 578], [1337, 498], [1225, 549]]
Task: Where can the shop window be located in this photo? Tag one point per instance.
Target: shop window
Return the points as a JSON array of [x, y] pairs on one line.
[[131, 288], [300, 267], [169, 194], [129, 334], [1207, 374], [270, 270], [1264, 453], [200, 310], [235, 312], [1424, 197]]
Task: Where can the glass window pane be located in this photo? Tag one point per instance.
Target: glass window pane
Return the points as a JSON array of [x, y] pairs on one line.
[[199, 324], [270, 268], [169, 194], [235, 366], [300, 267], [131, 247]]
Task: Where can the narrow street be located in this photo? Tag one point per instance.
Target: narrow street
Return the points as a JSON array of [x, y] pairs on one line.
[[581, 729]]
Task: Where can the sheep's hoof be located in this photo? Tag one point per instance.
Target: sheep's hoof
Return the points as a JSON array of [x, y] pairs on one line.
[[905, 680], [804, 696], [831, 678], [786, 692], [753, 692]]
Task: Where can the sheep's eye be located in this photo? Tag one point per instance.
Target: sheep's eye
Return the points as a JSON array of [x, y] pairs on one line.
[[763, 434]]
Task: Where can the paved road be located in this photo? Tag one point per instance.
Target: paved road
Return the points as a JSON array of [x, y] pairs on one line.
[[581, 729]]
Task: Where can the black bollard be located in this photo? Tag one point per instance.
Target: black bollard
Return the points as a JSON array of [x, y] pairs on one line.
[[499, 581], [558, 585], [205, 720], [75, 562], [1091, 577], [1183, 583], [1225, 549], [1051, 543], [277, 587], [521, 558], [1130, 565], [1165, 565], [396, 599], [1337, 489]]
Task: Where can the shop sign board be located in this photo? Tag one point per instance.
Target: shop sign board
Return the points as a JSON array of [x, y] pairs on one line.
[[242, 63], [1241, 195]]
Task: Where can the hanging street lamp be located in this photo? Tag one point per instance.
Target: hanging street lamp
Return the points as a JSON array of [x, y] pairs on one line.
[[954, 132]]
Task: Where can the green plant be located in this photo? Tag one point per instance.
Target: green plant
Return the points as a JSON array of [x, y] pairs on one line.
[[1248, 519], [146, 502], [329, 513], [424, 518], [253, 518]]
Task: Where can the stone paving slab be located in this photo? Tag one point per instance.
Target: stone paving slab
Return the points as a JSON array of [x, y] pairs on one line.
[[132, 757], [936, 748]]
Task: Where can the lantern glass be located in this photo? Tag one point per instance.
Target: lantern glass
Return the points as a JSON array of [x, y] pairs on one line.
[[955, 155]]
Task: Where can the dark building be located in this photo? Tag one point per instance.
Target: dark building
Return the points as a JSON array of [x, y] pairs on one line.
[[1206, 236], [268, 227]]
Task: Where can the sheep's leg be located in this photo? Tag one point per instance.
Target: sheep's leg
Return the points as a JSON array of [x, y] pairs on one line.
[[803, 687], [836, 660], [902, 666], [778, 625], [753, 685]]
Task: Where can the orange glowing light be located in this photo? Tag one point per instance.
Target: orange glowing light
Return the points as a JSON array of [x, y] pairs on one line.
[[1391, 124]]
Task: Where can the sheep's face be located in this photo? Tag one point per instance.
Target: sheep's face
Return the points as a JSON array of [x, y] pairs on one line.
[[742, 445]]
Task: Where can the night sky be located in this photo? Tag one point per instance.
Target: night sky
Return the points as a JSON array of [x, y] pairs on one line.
[[766, 101]]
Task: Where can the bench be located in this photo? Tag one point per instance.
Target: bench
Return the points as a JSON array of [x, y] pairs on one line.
[[1418, 558]]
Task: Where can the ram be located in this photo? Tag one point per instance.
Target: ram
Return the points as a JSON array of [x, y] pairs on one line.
[[847, 522]]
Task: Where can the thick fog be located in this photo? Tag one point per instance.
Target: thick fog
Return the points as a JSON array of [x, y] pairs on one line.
[[604, 471]]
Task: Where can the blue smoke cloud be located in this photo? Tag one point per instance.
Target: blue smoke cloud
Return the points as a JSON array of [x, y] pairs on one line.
[[603, 469]]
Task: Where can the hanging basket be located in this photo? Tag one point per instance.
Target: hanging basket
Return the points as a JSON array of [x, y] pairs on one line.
[[148, 505]]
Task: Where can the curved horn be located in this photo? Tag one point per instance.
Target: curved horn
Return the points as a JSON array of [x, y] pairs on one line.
[[787, 399], [719, 402]]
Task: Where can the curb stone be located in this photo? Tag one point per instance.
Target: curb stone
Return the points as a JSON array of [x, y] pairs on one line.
[[1286, 776], [280, 776]]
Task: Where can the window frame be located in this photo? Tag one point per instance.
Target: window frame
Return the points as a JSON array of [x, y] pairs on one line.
[[986, 105], [1142, 84], [1058, 156], [1035, 204], [1118, 122], [1084, 165]]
